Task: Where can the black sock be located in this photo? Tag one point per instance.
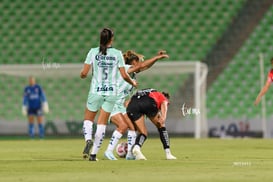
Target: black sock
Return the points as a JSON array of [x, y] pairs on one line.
[[164, 137], [140, 139]]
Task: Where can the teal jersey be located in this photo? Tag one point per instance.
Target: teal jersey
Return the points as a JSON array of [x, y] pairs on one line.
[[125, 89], [105, 70]]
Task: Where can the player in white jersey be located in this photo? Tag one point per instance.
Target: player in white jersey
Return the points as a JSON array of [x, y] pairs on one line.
[[107, 66], [134, 64]]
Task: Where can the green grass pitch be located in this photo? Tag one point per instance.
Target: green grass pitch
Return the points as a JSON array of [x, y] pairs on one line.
[[205, 160]]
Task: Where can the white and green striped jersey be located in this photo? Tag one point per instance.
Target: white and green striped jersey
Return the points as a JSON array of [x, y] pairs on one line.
[[105, 70], [125, 88]]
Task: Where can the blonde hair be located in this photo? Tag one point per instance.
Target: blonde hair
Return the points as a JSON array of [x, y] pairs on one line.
[[130, 56]]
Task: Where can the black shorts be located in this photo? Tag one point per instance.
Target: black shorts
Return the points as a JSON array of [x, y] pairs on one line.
[[141, 105], [35, 111]]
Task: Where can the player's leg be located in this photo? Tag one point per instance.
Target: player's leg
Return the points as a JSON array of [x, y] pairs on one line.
[[164, 137], [100, 134], [118, 120], [136, 116], [106, 109], [87, 131], [40, 120], [31, 128], [92, 106], [140, 139], [131, 137], [41, 126]]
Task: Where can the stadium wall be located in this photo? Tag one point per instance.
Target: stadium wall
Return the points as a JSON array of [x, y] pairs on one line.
[[217, 128]]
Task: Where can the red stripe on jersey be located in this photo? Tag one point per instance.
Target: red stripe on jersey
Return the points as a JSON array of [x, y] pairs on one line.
[[270, 76], [158, 97]]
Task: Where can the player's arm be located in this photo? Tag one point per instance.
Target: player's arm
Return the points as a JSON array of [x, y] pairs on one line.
[[126, 77], [25, 103], [87, 65], [160, 118], [45, 106], [262, 92], [42, 95], [85, 70], [164, 110], [144, 65]]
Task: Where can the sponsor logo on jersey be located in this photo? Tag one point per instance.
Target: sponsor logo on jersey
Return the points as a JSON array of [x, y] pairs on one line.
[[105, 57], [104, 88], [105, 64], [106, 61]]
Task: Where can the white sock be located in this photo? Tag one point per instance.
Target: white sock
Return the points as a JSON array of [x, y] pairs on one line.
[[87, 129], [167, 151], [137, 147], [114, 140], [131, 139], [99, 136]]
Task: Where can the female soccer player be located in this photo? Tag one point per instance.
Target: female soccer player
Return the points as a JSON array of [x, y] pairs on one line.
[[134, 64], [34, 105], [106, 63], [154, 105], [266, 86]]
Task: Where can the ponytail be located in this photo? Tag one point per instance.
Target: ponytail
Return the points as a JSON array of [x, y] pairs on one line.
[[105, 37]]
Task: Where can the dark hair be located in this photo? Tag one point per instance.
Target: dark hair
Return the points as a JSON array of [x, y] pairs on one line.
[[167, 95], [105, 37]]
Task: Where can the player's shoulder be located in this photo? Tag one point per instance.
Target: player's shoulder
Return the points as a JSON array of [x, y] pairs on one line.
[[114, 50], [270, 73], [94, 49], [27, 87], [37, 86]]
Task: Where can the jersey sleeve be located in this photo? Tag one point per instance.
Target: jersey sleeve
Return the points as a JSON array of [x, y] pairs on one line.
[[121, 59], [25, 100], [42, 94], [89, 58], [270, 76]]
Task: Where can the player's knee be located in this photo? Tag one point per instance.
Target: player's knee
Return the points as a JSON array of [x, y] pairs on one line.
[[158, 124], [122, 127]]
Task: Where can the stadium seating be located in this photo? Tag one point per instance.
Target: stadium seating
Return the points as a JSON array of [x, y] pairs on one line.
[[235, 90], [63, 32]]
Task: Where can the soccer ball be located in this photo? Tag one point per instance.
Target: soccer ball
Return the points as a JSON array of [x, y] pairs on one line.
[[121, 149]]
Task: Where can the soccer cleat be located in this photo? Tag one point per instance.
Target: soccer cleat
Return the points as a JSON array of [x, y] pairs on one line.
[[93, 157], [109, 155], [138, 154], [170, 157], [87, 148], [130, 156]]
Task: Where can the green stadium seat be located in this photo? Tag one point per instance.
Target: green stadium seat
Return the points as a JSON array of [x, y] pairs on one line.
[[64, 31]]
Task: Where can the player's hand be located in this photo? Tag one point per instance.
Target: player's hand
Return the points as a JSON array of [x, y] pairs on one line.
[[135, 84], [45, 107], [257, 101], [162, 54], [24, 110]]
